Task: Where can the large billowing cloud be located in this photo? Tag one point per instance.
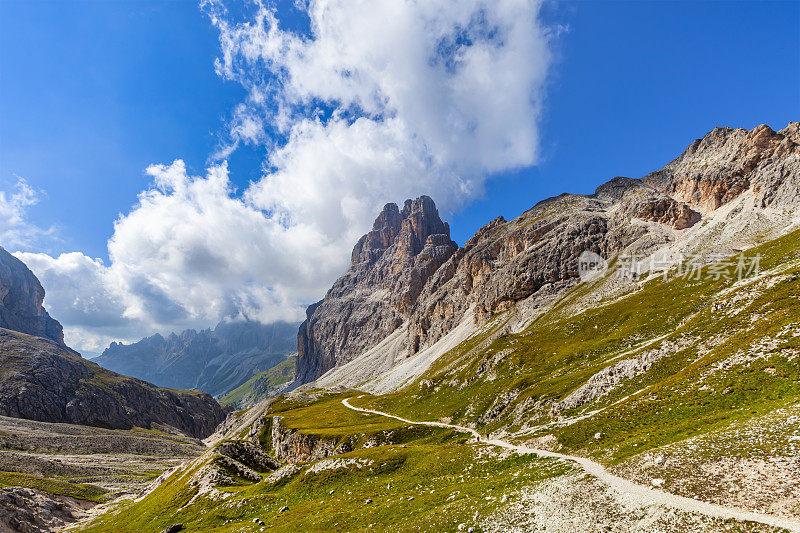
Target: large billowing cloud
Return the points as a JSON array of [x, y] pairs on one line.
[[380, 101]]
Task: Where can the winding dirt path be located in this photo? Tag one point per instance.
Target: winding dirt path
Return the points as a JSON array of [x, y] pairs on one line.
[[645, 495]]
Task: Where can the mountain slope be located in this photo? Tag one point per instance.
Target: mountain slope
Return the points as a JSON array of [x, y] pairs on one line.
[[42, 380], [653, 383], [731, 189], [703, 402], [215, 361]]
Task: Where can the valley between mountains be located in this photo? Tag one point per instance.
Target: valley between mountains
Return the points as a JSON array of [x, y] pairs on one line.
[[494, 386]]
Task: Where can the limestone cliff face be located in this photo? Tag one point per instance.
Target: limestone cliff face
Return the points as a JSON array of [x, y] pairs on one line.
[[726, 162], [407, 273], [292, 446], [389, 268], [21, 297], [425, 286], [289, 445], [537, 253]]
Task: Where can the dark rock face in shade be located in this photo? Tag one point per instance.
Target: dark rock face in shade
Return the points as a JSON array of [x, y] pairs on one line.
[[21, 297]]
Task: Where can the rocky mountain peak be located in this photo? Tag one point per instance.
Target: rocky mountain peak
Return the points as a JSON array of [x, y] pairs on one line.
[[21, 297], [616, 188], [389, 268], [422, 219], [792, 132], [384, 232], [637, 199], [411, 227]]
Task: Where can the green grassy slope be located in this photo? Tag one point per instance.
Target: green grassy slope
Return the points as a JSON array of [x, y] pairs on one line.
[[427, 478], [708, 320], [417, 487], [259, 386], [58, 487]]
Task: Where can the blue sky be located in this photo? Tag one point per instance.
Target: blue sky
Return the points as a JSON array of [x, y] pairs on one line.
[[93, 93], [636, 82]]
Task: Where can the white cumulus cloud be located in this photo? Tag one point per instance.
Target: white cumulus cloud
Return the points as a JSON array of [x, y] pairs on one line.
[[380, 101], [78, 294], [15, 229]]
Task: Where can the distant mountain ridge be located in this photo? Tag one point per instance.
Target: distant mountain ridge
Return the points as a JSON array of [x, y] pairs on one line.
[[215, 361]]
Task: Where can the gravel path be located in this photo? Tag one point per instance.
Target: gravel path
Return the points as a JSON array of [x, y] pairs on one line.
[[646, 495]]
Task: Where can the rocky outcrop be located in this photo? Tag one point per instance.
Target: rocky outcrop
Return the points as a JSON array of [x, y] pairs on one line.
[[32, 511], [215, 361], [638, 200], [726, 162], [249, 455], [283, 474], [228, 470], [45, 381], [291, 446], [21, 297], [611, 377], [390, 266]]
